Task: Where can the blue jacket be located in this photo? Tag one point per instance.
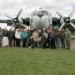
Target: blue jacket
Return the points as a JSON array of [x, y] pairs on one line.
[[24, 35]]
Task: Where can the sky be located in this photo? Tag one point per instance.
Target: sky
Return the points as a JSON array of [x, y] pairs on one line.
[[11, 7]]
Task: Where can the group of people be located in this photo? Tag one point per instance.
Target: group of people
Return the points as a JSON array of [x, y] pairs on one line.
[[35, 38]]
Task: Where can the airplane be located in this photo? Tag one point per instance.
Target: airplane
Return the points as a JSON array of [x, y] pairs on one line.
[[39, 18]]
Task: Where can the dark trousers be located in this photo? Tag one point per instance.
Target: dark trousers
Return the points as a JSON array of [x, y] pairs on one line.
[[63, 43], [49, 43], [24, 42], [11, 42], [17, 42], [52, 43]]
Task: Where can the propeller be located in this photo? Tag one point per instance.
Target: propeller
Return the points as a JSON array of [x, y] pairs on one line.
[[15, 20], [65, 20]]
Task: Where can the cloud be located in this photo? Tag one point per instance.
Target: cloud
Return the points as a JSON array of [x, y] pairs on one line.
[[11, 7]]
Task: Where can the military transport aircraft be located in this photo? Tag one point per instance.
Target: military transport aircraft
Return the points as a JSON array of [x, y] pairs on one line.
[[40, 18]]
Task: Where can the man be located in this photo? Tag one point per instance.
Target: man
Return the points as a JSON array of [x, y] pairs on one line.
[[67, 35], [44, 39], [62, 38], [53, 39], [49, 36], [17, 37], [11, 38]]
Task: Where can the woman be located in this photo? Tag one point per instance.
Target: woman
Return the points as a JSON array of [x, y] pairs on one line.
[[24, 37], [57, 39]]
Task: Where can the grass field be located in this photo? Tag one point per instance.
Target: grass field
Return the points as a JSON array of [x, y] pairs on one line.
[[24, 61]]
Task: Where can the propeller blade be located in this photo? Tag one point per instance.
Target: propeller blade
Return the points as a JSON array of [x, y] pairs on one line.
[[72, 25], [61, 16], [19, 13], [50, 18], [8, 17], [61, 26], [71, 14]]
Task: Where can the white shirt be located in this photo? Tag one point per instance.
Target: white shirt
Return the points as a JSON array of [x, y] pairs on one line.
[[17, 34]]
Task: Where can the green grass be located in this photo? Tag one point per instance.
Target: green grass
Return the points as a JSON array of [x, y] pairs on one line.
[[24, 61]]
